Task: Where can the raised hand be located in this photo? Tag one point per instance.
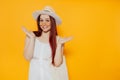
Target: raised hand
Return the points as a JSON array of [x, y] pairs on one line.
[[63, 40], [28, 33]]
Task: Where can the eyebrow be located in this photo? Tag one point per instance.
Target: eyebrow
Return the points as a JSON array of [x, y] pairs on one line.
[[45, 18]]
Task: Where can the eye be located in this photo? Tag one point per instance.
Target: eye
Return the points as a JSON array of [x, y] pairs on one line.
[[41, 20], [48, 20]]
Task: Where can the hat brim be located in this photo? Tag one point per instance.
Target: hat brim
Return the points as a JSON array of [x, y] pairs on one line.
[[56, 17]]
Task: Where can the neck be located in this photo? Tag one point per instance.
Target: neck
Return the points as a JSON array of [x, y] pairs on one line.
[[45, 34]]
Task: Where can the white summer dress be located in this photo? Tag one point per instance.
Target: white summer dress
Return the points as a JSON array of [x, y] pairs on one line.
[[41, 67]]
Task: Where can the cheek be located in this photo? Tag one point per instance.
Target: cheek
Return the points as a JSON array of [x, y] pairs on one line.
[[40, 23], [48, 23]]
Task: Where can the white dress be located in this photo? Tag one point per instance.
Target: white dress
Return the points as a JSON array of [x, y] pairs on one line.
[[41, 67]]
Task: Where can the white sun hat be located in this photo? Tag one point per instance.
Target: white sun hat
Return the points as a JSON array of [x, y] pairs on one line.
[[49, 11]]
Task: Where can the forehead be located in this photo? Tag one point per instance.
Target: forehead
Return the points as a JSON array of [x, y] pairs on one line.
[[44, 16]]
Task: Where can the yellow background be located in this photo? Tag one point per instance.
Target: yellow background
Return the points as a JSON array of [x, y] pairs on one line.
[[94, 52]]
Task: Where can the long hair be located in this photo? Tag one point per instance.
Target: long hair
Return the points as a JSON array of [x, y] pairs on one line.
[[52, 36]]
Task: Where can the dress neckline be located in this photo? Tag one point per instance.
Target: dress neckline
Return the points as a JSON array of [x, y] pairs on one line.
[[41, 41]]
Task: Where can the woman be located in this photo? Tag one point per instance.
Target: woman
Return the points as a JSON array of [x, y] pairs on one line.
[[44, 48]]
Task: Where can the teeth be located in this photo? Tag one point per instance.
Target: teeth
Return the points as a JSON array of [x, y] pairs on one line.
[[44, 27]]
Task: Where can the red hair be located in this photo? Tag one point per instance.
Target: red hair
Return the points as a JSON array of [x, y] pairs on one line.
[[53, 34]]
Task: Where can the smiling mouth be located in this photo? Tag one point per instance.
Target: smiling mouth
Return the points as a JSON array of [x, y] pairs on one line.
[[45, 27]]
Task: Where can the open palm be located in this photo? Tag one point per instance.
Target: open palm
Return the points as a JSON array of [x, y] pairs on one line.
[[64, 40], [28, 33]]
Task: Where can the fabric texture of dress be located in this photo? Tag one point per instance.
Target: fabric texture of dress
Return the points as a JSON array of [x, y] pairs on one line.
[[41, 67]]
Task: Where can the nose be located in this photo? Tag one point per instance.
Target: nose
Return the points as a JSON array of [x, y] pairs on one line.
[[43, 23]]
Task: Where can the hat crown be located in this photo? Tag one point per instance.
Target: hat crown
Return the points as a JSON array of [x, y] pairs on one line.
[[49, 9]]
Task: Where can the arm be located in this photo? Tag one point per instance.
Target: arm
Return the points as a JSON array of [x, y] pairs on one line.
[[29, 48], [58, 60]]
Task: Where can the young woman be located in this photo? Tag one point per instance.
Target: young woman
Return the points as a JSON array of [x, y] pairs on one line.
[[44, 48]]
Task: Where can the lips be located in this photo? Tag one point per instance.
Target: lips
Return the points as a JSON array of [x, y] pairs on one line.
[[44, 27]]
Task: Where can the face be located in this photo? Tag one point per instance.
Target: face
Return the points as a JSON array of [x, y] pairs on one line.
[[45, 23]]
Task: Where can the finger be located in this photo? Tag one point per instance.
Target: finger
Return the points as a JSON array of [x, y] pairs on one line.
[[67, 39], [23, 27], [26, 31]]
